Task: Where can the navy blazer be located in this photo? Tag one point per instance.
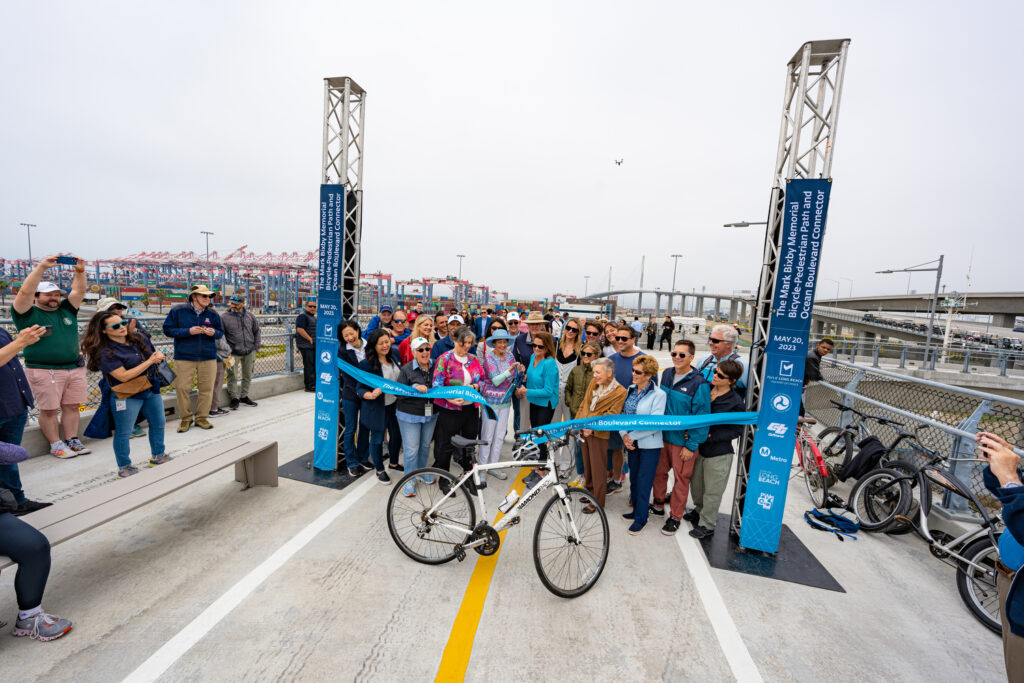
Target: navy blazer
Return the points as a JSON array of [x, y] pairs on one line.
[[371, 413]]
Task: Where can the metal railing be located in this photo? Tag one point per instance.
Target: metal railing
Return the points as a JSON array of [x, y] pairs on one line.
[[953, 415], [277, 353], [952, 359]]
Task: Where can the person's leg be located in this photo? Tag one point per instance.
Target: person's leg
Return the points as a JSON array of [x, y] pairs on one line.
[[697, 484], [515, 414], [500, 430], [1013, 645], [308, 368], [153, 411], [377, 450], [125, 412], [716, 476], [248, 362], [634, 456], [218, 382], [618, 461], [73, 394], [597, 457], [185, 371], [447, 427], [207, 372], [232, 379], [394, 434], [646, 465], [11, 430], [683, 470], [25, 545], [350, 409], [661, 476], [411, 440], [362, 439], [487, 429]]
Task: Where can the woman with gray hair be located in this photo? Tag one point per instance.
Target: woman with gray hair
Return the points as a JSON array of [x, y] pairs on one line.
[[604, 396], [722, 340]]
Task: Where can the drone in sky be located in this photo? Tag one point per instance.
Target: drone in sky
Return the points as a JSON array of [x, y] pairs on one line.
[[618, 162]]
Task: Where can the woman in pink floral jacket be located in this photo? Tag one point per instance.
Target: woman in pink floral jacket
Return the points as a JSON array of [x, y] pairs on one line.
[[457, 367]]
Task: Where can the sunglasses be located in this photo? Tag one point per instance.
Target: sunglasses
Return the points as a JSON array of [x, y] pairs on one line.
[[496, 327], [422, 348], [623, 338], [203, 296], [719, 375], [588, 354], [537, 346], [680, 355], [638, 372], [117, 326], [311, 306], [712, 340], [399, 320], [572, 329]]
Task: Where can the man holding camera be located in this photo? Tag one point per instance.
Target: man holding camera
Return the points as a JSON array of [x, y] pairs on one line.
[[54, 366], [195, 328]]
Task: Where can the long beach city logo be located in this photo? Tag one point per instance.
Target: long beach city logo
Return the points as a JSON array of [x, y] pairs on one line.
[[781, 403], [777, 429], [768, 478]]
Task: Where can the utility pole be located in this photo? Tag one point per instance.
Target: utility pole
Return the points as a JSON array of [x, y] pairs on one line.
[[586, 283], [640, 297], [209, 273], [458, 287], [28, 231], [675, 265]]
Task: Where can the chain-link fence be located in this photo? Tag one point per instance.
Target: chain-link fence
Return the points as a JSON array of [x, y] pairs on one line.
[[277, 353], [952, 414], [897, 354]]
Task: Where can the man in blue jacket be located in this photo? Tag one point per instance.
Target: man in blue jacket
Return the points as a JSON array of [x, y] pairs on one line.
[[688, 394], [195, 328], [382, 319], [1003, 478]]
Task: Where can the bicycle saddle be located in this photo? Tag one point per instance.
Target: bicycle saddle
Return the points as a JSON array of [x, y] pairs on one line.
[[806, 421], [463, 442]]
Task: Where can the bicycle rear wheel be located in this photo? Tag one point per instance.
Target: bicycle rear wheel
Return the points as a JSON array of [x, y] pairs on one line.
[[978, 587], [879, 497], [836, 447], [433, 540], [817, 485], [569, 564]]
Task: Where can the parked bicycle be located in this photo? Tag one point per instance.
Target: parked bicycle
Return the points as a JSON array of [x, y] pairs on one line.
[[885, 496], [439, 523], [814, 467], [837, 443]]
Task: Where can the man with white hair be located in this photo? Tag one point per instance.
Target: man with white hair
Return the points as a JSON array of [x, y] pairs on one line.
[[723, 339]]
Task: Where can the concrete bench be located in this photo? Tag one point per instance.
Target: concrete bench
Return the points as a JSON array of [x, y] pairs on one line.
[[255, 465]]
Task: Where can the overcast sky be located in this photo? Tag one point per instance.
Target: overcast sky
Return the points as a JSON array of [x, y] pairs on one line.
[[491, 131]]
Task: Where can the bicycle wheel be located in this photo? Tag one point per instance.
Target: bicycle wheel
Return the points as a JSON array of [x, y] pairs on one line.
[[836, 447], [567, 563], [978, 588], [817, 484], [433, 540], [878, 497], [901, 526]]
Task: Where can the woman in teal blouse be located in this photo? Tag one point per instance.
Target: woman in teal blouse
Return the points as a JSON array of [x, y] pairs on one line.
[[541, 390]]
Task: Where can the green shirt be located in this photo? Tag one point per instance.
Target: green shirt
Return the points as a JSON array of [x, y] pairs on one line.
[[59, 351]]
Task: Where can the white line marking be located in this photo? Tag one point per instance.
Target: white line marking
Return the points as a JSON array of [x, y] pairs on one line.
[[733, 647], [173, 649]]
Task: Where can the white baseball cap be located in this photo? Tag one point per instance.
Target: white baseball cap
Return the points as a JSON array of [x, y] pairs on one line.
[[46, 286], [418, 342], [512, 315], [456, 319]]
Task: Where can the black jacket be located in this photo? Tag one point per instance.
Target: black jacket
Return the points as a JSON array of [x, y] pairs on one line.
[[348, 388], [411, 373], [812, 368], [720, 437], [371, 413]]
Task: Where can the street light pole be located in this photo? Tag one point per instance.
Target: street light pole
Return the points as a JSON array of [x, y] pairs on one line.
[[675, 265], [851, 284], [458, 287], [28, 231], [829, 279], [586, 284], [935, 297], [209, 273]]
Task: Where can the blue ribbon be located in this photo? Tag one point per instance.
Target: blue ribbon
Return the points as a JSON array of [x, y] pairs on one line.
[[646, 422]]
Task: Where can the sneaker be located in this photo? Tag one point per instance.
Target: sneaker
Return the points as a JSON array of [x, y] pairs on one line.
[[701, 532], [367, 466], [62, 451], [671, 527], [234, 404], [656, 510], [219, 412], [691, 516], [184, 426], [498, 474], [30, 506], [137, 431], [409, 490], [77, 446], [397, 468], [248, 401], [41, 626], [614, 487], [356, 471], [628, 515], [203, 423], [160, 459], [635, 528], [383, 478], [125, 472]]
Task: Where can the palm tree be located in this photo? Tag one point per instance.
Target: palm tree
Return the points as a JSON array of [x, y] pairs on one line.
[[4, 284], [160, 294]]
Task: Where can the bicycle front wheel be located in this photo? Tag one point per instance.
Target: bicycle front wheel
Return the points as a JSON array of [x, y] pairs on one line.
[[430, 539], [978, 586], [836, 447], [569, 562], [817, 484], [879, 497]]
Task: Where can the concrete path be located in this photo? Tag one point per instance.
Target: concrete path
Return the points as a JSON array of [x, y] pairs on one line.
[[305, 583]]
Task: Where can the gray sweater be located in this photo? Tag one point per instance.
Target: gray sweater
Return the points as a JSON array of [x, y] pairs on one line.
[[241, 331]]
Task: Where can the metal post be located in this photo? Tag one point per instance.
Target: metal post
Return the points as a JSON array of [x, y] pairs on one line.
[[675, 265], [28, 233], [640, 296], [289, 347], [931, 311], [209, 275]]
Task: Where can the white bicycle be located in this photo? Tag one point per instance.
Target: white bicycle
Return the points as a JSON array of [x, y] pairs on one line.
[[439, 523]]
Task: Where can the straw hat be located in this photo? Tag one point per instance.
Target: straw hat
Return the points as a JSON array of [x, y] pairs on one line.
[[535, 317]]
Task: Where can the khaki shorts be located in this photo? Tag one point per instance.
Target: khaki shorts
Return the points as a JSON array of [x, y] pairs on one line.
[[56, 388]]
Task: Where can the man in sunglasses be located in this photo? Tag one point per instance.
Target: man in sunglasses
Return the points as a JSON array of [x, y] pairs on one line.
[[723, 346], [305, 342], [625, 341], [195, 328], [688, 394], [399, 327]]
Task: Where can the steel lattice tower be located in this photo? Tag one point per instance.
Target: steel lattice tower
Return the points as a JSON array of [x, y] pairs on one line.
[[807, 136]]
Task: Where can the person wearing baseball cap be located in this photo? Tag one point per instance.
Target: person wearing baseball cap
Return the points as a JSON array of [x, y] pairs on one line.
[[446, 343], [54, 366], [382, 319], [416, 416], [195, 328], [242, 332]]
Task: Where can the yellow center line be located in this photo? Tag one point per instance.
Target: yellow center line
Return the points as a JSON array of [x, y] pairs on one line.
[[457, 651]]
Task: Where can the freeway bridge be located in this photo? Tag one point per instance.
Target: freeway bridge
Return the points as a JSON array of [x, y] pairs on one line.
[[1004, 307]]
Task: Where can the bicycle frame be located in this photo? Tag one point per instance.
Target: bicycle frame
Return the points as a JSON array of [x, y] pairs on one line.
[[804, 435]]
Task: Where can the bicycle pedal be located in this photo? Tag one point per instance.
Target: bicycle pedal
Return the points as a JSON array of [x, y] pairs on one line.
[[460, 554]]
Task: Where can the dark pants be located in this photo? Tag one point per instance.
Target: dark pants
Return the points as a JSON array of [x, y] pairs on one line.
[[394, 440], [11, 430], [30, 549], [643, 463], [308, 367], [539, 417], [465, 422], [666, 337], [650, 341], [516, 410], [356, 439]]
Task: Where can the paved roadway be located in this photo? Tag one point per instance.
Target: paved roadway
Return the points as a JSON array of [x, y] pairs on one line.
[[302, 582]]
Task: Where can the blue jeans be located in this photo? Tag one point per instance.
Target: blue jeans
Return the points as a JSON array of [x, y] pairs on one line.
[[416, 438], [152, 408], [579, 458], [515, 414], [11, 430], [643, 464], [354, 454], [394, 440]]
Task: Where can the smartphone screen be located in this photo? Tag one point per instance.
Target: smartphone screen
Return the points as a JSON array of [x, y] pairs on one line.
[[67, 260]]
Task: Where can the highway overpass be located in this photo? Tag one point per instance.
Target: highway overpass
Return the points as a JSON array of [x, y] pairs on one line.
[[1004, 307]]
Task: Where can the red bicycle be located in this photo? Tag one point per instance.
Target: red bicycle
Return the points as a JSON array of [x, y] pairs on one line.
[[815, 470]]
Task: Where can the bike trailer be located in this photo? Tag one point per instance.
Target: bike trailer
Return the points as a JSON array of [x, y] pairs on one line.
[[867, 459]]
